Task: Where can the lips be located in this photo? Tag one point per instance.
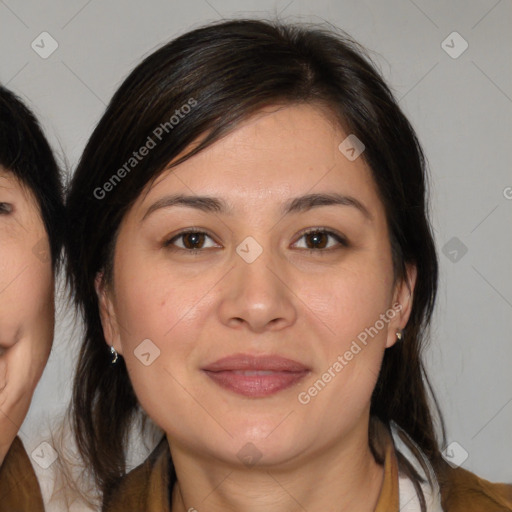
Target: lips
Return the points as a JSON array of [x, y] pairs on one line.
[[256, 376], [262, 363]]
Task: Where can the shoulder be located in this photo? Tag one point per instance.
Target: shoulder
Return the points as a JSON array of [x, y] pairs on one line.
[[145, 487], [459, 489], [463, 491], [19, 487]]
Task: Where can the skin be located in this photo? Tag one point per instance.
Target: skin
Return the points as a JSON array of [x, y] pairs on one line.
[[298, 304], [26, 304]]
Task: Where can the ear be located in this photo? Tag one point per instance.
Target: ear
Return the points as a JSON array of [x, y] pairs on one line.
[[402, 303], [107, 313]]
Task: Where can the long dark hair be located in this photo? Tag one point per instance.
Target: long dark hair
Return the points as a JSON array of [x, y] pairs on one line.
[[227, 71]]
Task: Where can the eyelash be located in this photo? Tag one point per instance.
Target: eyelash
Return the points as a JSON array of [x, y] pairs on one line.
[[318, 230]]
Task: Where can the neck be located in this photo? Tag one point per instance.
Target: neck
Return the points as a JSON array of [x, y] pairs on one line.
[[343, 477]]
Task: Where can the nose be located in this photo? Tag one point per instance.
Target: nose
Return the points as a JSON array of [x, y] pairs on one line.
[[258, 295]]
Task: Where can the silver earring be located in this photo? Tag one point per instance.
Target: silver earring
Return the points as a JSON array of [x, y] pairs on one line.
[[114, 353], [399, 335]]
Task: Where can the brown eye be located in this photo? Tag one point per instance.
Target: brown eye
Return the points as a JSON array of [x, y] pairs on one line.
[[5, 208], [191, 241], [317, 240]]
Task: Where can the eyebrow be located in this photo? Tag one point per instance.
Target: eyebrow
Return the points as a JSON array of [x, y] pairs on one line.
[[300, 204]]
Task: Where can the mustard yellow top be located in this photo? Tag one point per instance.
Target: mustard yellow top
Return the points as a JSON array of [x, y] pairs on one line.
[[19, 488], [146, 488]]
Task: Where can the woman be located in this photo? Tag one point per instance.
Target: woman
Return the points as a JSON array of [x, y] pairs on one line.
[[251, 251], [31, 216]]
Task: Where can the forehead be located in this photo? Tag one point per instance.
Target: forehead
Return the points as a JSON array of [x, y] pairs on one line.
[[7, 178], [276, 154]]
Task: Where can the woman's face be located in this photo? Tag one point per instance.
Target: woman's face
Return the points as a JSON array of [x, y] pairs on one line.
[[26, 297], [251, 282]]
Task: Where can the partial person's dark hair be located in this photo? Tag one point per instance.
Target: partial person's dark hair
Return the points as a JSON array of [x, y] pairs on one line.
[[25, 152], [233, 69]]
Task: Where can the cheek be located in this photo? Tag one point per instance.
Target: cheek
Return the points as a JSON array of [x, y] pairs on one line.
[[160, 317], [349, 302], [11, 263], [158, 335], [156, 303], [26, 298], [348, 309]]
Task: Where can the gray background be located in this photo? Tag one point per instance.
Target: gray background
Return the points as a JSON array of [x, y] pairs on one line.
[[461, 108]]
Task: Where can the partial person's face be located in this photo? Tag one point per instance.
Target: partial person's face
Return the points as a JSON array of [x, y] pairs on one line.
[[26, 296], [253, 282]]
